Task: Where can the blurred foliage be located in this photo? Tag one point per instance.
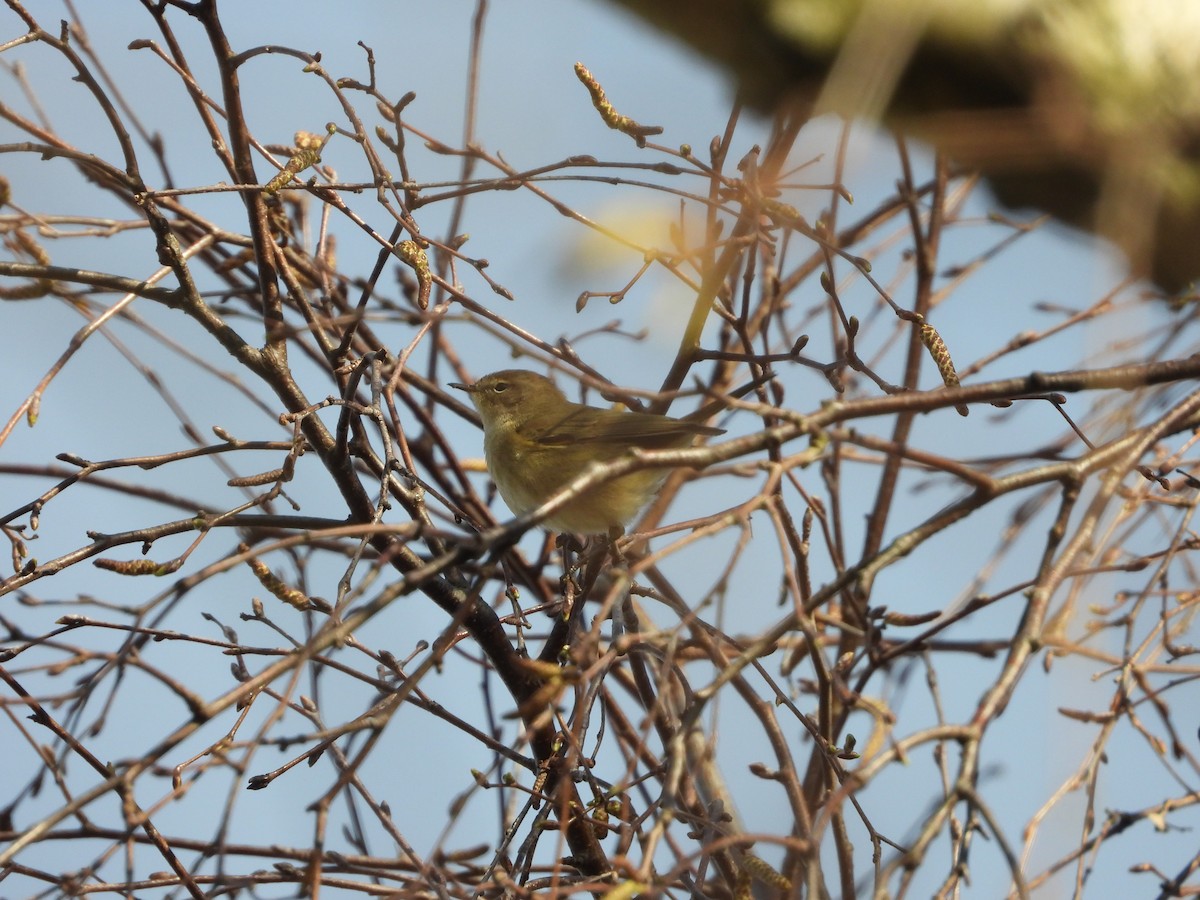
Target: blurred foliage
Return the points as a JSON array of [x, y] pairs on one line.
[[1086, 109]]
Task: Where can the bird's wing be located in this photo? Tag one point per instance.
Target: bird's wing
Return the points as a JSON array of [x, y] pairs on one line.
[[594, 426]]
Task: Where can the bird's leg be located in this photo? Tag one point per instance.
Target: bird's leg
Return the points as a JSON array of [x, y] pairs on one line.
[[568, 544], [592, 565], [615, 533]]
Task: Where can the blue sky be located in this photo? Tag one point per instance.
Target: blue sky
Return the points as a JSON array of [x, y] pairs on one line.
[[532, 111]]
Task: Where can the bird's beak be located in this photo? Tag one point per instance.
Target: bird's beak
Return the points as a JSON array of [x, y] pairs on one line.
[[469, 388]]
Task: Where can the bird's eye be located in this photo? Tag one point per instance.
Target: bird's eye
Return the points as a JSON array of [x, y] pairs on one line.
[[500, 387]]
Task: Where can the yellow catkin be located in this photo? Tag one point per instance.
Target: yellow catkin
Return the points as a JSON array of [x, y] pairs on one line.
[[940, 355], [137, 566], [308, 153], [271, 582], [257, 480], [414, 255], [608, 112], [762, 870]]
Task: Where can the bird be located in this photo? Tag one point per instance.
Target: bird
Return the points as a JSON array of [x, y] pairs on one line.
[[536, 442]]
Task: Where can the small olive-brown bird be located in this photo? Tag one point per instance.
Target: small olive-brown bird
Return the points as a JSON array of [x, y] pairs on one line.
[[536, 442]]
